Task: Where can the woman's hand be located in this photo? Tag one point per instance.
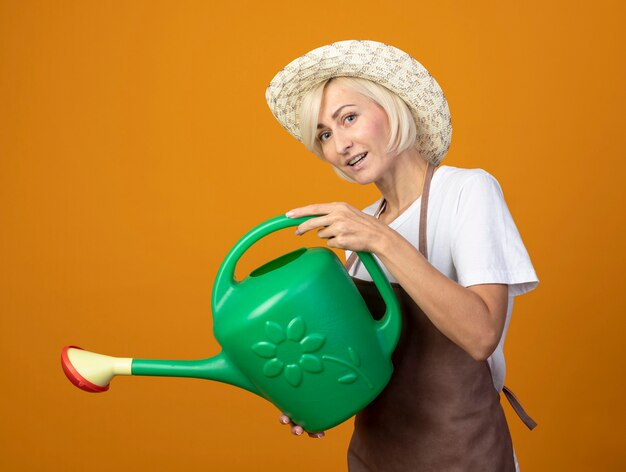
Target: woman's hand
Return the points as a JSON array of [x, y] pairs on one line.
[[296, 429], [342, 225]]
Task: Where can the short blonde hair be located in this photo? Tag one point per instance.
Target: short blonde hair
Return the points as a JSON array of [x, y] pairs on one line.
[[403, 131]]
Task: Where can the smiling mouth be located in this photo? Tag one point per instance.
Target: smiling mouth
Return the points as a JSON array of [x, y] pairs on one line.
[[356, 159]]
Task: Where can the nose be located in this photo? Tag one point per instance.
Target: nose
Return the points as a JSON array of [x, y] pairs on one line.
[[343, 142]]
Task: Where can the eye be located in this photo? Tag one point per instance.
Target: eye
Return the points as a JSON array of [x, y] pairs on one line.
[[324, 136], [350, 118]]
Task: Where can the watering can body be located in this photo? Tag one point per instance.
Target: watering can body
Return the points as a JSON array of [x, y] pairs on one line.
[[311, 345], [297, 332]]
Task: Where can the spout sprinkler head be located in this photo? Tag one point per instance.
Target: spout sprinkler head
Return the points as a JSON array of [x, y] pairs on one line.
[[74, 376]]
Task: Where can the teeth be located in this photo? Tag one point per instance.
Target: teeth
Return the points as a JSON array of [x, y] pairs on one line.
[[357, 159]]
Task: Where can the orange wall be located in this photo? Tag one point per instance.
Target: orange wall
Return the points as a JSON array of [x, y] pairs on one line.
[[136, 148]]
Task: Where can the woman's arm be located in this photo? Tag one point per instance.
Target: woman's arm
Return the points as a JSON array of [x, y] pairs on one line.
[[472, 317]]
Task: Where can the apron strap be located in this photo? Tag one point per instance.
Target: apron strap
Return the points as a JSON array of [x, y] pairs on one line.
[[519, 409], [428, 175], [423, 245]]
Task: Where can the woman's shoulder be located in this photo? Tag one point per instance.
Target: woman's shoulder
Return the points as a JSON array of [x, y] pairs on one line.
[[458, 176], [455, 183]]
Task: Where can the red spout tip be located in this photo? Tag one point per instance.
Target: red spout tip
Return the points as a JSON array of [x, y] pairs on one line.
[[73, 376]]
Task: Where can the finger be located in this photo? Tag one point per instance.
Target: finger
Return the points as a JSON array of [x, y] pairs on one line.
[[319, 222], [314, 209], [327, 232], [284, 419], [335, 243], [317, 435], [297, 430]]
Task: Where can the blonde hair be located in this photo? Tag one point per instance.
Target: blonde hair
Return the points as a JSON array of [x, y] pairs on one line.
[[403, 131]]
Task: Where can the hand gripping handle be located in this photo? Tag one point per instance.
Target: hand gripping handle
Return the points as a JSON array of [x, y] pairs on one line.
[[388, 326]]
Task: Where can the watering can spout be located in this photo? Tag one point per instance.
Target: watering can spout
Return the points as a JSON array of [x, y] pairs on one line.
[[93, 372], [218, 368]]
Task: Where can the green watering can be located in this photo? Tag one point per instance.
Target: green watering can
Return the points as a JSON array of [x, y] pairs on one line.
[[296, 331]]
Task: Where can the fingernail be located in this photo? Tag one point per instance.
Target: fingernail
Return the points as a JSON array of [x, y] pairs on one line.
[[297, 233], [289, 214]]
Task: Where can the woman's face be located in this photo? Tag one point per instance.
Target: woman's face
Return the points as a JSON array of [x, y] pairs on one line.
[[354, 133]]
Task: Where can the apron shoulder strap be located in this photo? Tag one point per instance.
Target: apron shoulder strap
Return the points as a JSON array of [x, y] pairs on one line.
[[423, 245]]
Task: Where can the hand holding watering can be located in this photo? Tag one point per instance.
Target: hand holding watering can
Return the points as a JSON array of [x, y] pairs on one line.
[[295, 331]]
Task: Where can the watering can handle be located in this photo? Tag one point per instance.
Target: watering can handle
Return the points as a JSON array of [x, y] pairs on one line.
[[388, 326]]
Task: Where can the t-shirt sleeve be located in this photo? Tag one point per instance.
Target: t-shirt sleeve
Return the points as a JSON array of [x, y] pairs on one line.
[[486, 245]]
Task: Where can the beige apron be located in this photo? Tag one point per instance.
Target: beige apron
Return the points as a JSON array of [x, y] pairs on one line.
[[440, 412]]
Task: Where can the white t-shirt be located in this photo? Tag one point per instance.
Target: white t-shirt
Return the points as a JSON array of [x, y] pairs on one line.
[[472, 239]]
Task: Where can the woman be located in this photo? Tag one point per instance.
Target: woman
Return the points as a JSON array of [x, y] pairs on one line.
[[446, 241]]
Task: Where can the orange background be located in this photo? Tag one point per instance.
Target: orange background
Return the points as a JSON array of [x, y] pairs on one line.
[[136, 148]]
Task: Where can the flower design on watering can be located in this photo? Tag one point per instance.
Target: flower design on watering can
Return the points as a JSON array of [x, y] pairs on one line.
[[290, 351]]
